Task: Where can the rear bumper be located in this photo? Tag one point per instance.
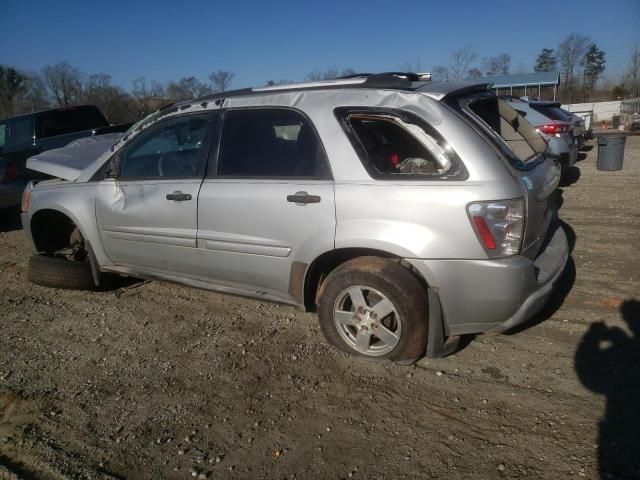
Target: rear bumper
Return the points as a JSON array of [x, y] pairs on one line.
[[495, 295]]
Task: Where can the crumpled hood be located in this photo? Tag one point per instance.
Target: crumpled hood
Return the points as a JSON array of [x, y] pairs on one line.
[[69, 161]]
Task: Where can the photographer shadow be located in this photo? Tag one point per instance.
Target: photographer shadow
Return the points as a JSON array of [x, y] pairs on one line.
[[607, 362]]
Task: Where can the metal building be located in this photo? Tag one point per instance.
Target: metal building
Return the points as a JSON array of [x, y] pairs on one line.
[[539, 84]]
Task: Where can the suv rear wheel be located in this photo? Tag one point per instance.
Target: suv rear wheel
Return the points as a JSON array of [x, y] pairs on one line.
[[375, 308]]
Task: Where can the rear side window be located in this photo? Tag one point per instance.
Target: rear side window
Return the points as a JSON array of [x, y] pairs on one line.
[[69, 120], [397, 144], [519, 135], [270, 142]]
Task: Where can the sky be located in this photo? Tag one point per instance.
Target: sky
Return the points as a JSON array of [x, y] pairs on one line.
[[260, 41]]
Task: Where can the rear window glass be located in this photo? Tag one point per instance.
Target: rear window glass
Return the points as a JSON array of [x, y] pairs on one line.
[[69, 120], [516, 132], [19, 132], [398, 144], [554, 113]]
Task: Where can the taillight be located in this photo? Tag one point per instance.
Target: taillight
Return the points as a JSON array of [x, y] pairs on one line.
[[10, 174], [499, 225], [26, 197], [553, 129]]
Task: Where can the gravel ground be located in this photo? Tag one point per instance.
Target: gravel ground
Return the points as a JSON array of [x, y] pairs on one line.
[[162, 381]]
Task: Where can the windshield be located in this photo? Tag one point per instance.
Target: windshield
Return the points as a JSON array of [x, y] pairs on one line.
[[148, 119], [516, 132]]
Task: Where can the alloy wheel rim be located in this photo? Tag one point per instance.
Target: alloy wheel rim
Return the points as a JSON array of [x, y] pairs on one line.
[[367, 320]]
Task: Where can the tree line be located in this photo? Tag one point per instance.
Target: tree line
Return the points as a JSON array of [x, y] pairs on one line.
[[62, 85], [578, 59], [580, 62]]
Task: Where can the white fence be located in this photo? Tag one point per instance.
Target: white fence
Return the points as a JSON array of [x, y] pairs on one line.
[[601, 110]]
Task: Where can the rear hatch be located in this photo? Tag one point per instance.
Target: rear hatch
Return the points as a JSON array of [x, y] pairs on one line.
[[523, 150]]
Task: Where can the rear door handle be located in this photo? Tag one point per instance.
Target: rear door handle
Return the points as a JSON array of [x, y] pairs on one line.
[[302, 198], [178, 196]]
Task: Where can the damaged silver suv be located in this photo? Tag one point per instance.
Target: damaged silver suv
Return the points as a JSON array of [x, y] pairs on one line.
[[405, 212]]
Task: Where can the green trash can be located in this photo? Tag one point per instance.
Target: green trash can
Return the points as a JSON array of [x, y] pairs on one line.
[[611, 152]]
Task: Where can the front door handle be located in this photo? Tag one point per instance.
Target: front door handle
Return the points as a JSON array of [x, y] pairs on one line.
[[178, 196], [302, 198]]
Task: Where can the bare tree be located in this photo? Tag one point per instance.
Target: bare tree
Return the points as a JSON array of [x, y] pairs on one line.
[[34, 97], [112, 100], [632, 77], [461, 60], [187, 88], [571, 51], [64, 82], [440, 73], [221, 80], [147, 96], [411, 67], [498, 65], [12, 84], [522, 68], [330, 73], [474, 73]]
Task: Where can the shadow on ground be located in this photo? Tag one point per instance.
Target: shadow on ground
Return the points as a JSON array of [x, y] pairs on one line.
[[570, 175], [10, 220], [607, 362]]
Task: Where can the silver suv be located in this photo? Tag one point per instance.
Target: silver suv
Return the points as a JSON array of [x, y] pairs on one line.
[[406, 213]]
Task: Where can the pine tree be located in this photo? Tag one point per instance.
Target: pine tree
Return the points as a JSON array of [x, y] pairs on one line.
[[546, 61], [593, 64]]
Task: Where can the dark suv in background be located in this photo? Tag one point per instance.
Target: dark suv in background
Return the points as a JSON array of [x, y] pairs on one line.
[[25, 135]]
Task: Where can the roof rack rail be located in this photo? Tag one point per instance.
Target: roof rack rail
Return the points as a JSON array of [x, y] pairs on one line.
[[399, 80]]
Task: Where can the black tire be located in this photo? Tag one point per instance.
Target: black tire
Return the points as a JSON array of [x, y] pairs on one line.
[[57, 272], [401, 287]]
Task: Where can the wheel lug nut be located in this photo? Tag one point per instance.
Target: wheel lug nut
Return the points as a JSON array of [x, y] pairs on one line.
[[356, 318], [361, 310], [374, 325], [373, 314]]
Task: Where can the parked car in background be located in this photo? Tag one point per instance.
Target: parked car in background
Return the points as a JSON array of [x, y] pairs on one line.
[[25, 135], [556, 128], [402, 212], [580, 131]]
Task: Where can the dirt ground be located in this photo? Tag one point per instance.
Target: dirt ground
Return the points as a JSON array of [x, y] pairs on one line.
[[161, 381]]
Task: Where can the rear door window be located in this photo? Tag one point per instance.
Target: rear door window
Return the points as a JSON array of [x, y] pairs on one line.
[[69, 120], [272, 143], [514, 130]]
